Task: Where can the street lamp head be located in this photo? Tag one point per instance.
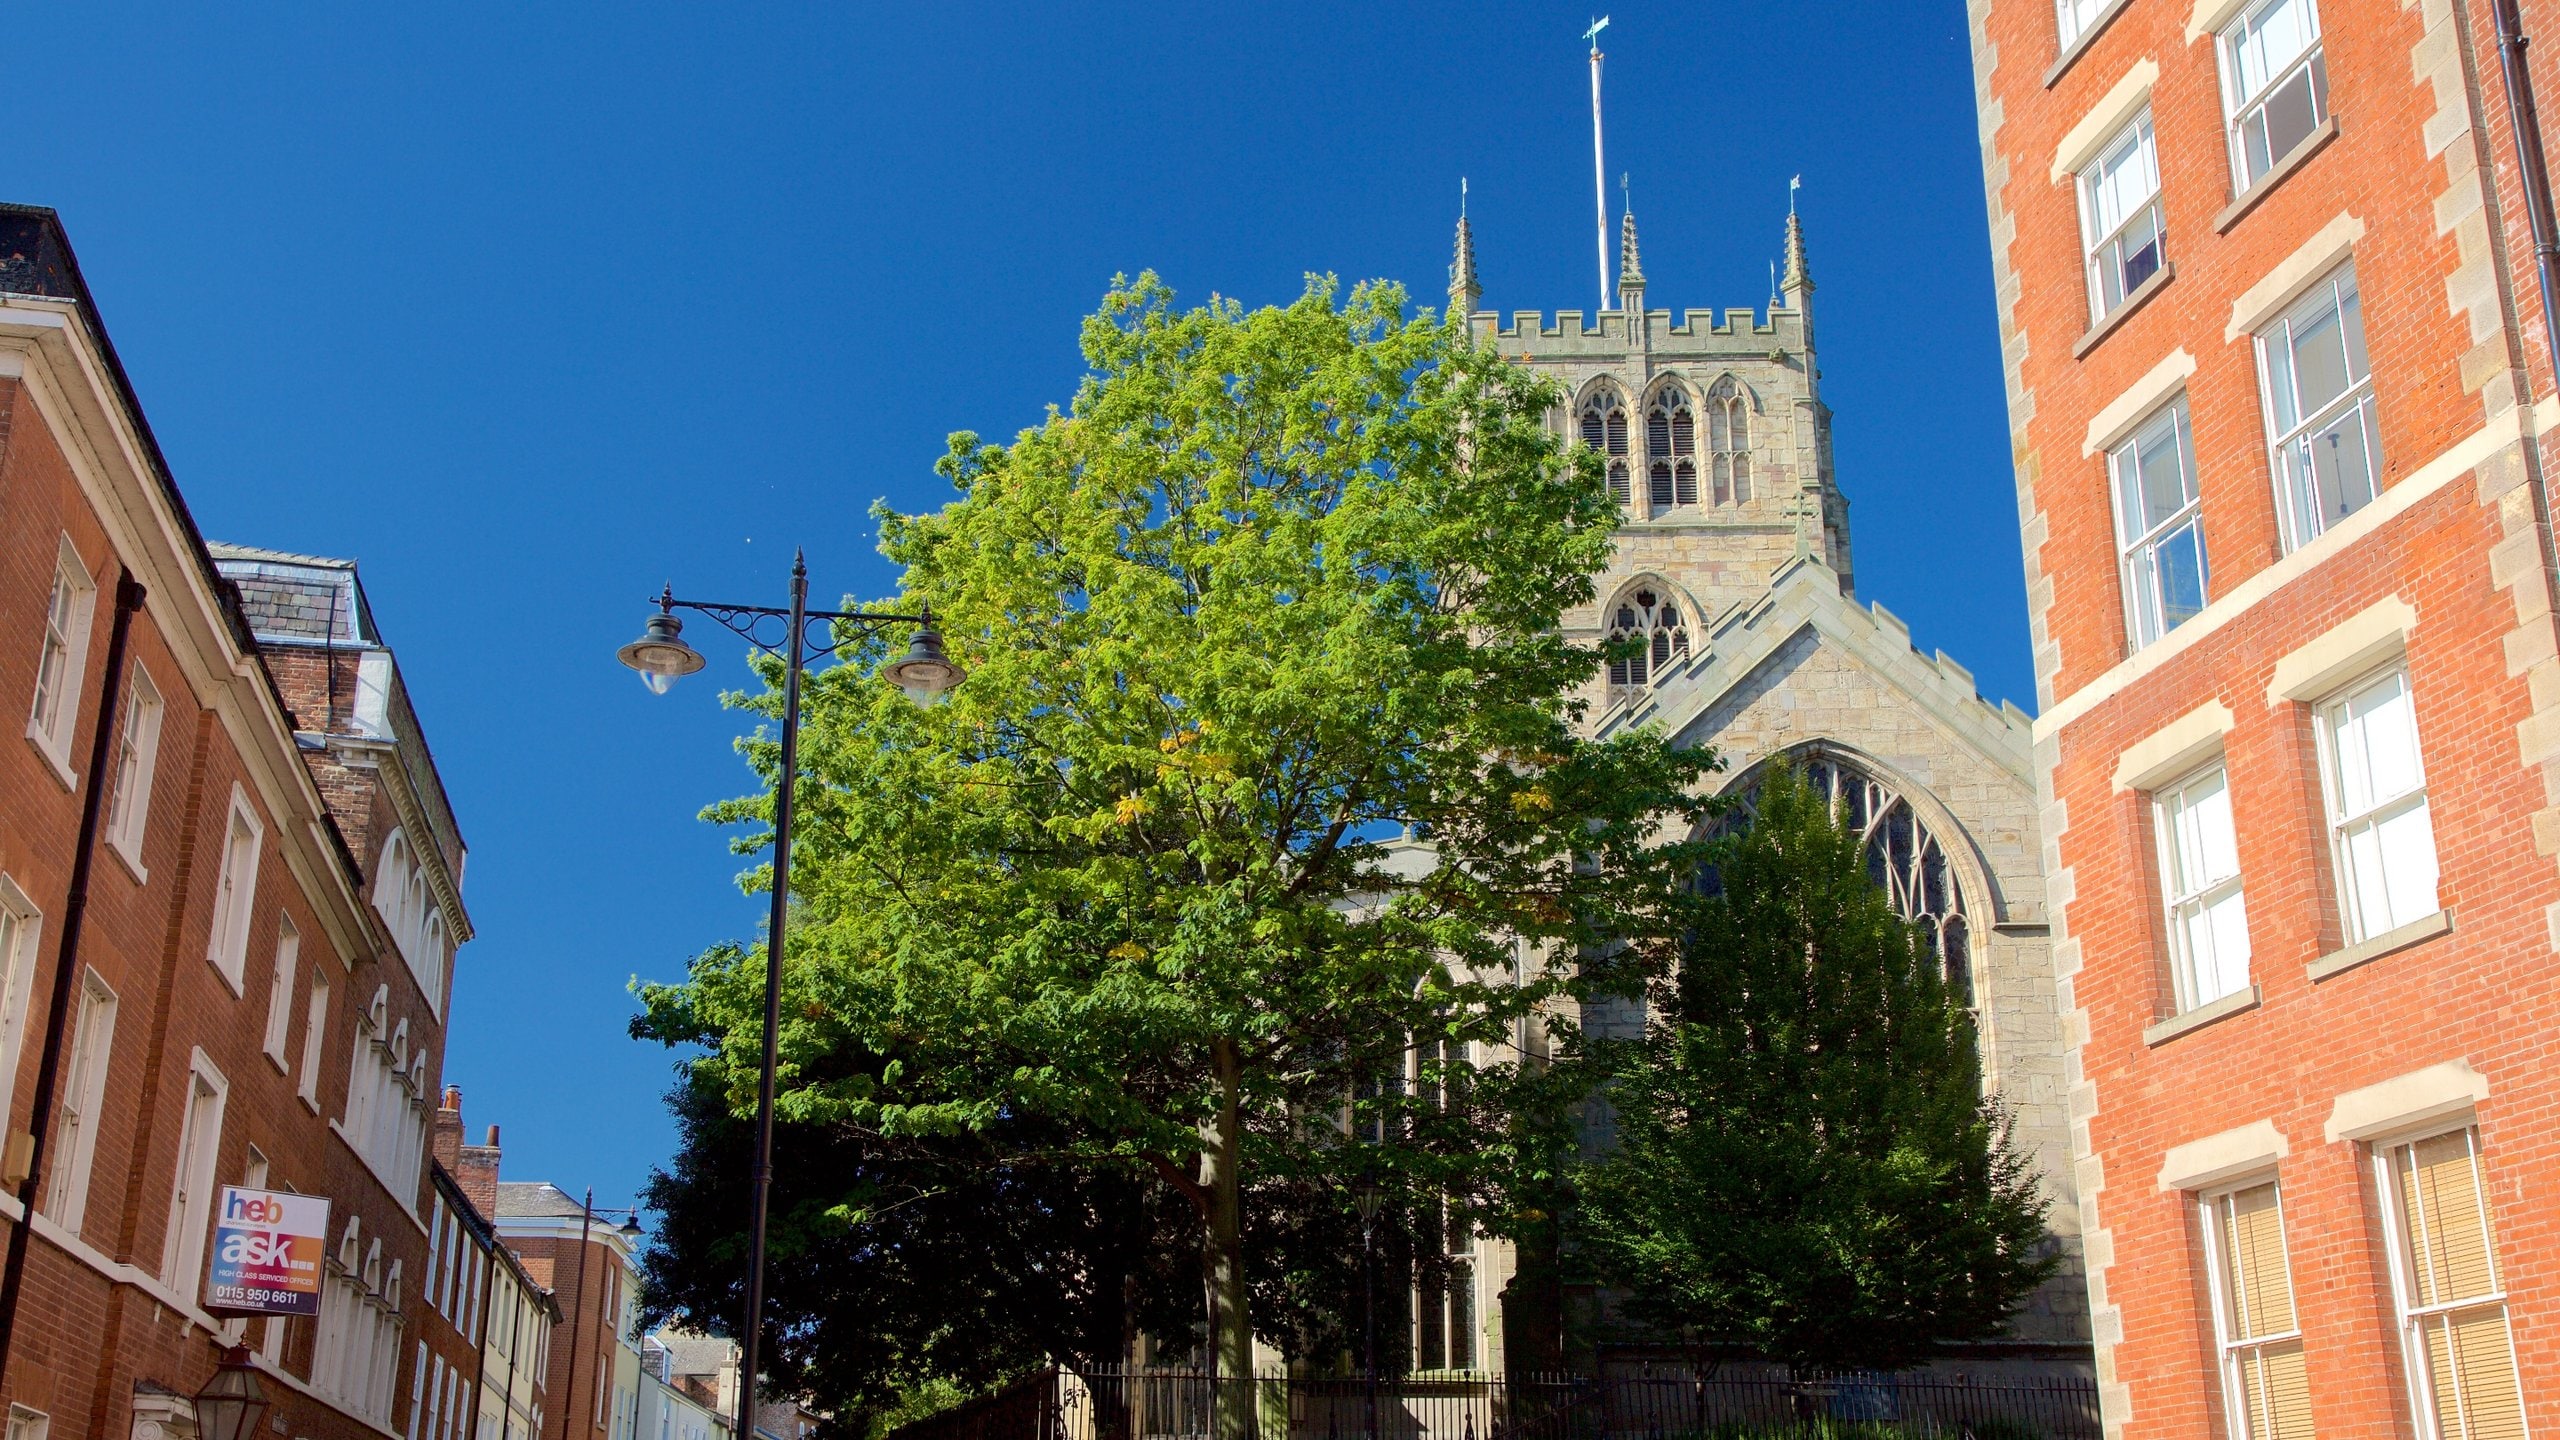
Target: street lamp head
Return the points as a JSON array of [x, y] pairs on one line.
[[1366, 1197], [926, 673], [230, 1404], [630, 1227], [660, 654]]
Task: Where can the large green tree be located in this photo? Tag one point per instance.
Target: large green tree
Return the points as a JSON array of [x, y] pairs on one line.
[[1281, 590], [1805, 1165], [897, 1265]]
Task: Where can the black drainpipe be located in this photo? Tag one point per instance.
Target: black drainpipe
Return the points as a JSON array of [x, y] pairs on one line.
[[2527, 124], [66, 963]]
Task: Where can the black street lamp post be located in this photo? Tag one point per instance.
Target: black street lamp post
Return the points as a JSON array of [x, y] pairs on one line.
[[662, 658], [1367, 1198]]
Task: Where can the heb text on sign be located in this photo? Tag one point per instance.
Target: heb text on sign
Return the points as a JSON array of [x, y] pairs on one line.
[[266, 1253]]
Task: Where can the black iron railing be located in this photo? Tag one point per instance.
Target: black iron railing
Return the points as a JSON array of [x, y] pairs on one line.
[[1152, 1404]]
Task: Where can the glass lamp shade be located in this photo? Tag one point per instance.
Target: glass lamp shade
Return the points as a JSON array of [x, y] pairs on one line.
[[233, 1401], [660, 655], [926, 672], [1366, 1199]]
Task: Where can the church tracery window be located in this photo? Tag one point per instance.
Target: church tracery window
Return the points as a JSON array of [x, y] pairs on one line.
[[1671, 438], [1729, 438], [1654, 616], [1905, 860], [1604, 428]]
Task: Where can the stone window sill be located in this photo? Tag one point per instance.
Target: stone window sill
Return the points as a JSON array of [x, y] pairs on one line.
[[132, 862], [2416, 932], [2080, 47], [2202, 1015], [2247, 200], [54, 764], [2141, 295]]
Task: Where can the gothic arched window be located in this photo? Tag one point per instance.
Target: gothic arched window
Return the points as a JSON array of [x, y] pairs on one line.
[[1604, 428], [1671, 437], [1729, 437], [1654, 617], [1907, 862]]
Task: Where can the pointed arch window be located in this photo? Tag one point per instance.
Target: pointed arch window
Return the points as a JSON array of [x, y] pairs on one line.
[[1904, 858], [1653, 616], [1604, 428], [1671, 438], [1729, 441]]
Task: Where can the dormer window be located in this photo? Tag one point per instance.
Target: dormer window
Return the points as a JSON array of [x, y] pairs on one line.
[[1652, 616]]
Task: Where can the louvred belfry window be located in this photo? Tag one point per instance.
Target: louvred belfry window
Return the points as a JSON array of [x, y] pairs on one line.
[[1729, 437], [1655, 618], [1604, 428], [1671, 438]]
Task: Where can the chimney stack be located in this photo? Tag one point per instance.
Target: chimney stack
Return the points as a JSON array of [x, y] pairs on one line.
[[444, 1139], [477, 1171]]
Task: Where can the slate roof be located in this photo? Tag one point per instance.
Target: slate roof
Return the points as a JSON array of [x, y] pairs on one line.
[[535, 1199]]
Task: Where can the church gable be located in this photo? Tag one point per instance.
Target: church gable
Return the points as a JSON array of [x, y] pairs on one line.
[[1807, 669]]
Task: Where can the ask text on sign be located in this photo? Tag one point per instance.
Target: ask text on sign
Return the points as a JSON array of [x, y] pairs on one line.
[[266, 1253]]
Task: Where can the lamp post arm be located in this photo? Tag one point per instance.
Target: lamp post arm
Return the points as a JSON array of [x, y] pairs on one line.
[[751, 623]]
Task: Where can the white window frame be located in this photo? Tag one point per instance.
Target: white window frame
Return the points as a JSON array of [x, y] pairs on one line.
[[315, 1039], [2171, 807], [2139, 573], [2102, 253], [21, 939], [418, 1391], [137, 756], [62, 661], [280, 993], [93, 1037], [235, 896], [2287, 446], [2229, 1353], [2239, 108], [28, 1423], [2075, 18], [2344, 826], [191, 1184], [2413, 1316]]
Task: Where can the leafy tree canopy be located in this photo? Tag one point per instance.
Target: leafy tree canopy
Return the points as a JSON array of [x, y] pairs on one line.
[[1806, 1166], [1282, 587]]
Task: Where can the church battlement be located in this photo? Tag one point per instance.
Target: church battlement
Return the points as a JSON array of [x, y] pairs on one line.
[[1780, 324]]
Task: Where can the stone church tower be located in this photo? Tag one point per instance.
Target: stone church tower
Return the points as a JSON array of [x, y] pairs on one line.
[[1734, 566]]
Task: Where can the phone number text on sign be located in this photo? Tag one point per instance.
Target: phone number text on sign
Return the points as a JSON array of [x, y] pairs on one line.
[[267, 1246]]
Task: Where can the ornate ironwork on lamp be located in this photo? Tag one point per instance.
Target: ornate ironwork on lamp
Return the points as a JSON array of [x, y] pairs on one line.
[[233, 1401]]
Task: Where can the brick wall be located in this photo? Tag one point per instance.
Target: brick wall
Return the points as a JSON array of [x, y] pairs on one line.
[[99, 1317], [2457, 537]]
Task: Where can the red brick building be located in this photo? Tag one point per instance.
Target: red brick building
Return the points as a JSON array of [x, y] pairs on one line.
[[487, 1364], [584, 1257], [229, 898], [2282, 398]]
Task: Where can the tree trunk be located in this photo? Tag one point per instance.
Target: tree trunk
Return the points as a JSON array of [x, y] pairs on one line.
[[1230, 1327]]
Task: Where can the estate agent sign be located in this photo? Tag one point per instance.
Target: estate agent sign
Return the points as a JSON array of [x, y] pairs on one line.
[[266, 1253]]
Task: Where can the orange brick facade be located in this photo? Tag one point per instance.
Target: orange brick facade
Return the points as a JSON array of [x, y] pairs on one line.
[[111, 1335], [2444, 576]]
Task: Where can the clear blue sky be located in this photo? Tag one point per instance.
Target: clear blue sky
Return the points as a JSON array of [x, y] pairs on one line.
[[530, 308]]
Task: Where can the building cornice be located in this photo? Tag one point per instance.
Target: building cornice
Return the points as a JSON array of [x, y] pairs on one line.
[[71, 379]]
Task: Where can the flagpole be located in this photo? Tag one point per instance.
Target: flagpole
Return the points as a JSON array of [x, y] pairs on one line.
[[1599, 166]]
